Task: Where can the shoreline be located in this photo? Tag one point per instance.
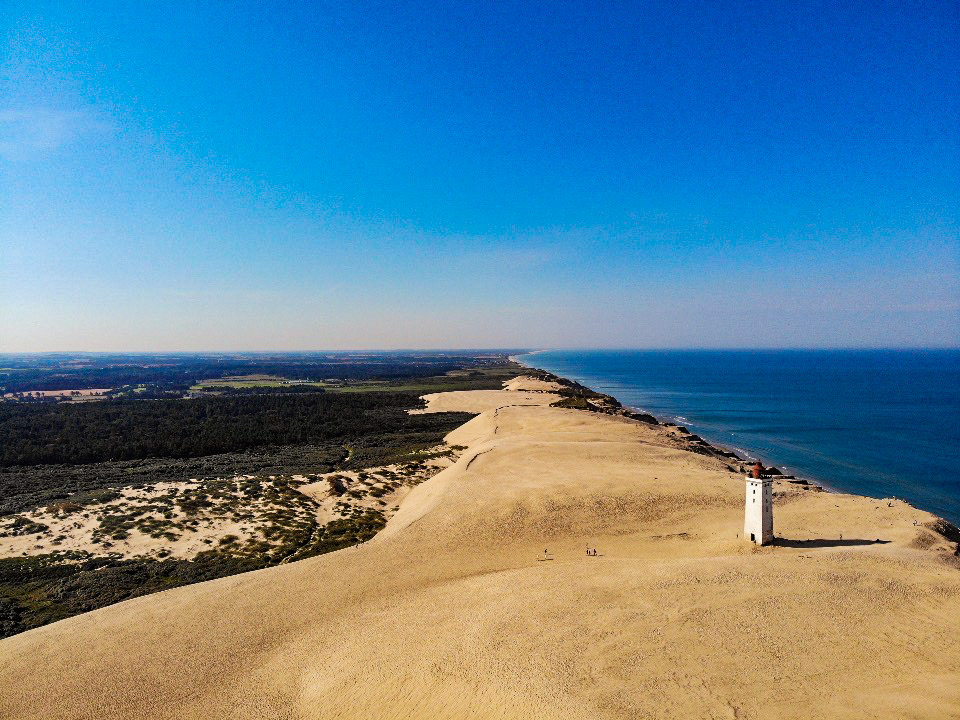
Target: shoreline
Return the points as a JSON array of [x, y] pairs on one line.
[[809, 480], [672, 421]]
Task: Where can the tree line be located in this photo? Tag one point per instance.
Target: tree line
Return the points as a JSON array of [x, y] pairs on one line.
[[135, 429], [183, 376]]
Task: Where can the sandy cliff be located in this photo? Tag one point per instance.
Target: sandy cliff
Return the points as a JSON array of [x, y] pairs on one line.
[[453, 612]]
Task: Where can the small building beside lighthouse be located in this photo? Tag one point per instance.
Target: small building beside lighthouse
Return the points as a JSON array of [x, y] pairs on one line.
[[758, 509]]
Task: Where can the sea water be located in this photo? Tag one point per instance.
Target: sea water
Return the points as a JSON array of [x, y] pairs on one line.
[[882, 423]]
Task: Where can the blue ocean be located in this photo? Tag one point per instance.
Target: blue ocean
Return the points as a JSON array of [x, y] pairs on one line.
[[883, 423]]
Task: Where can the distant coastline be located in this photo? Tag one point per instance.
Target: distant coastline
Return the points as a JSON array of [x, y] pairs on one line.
[[938, 505], [676, 420]]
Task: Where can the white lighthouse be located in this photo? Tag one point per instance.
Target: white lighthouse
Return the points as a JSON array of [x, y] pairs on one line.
[[758, 509]]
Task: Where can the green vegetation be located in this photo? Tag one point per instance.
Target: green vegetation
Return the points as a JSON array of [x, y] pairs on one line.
[[42, 589], [255, 381], [179, 372], [248, 421], [131, 429], [417, 389], [21, 525], [35, 590], [358, 528], [575, 402], [23, 488], [140, 428]]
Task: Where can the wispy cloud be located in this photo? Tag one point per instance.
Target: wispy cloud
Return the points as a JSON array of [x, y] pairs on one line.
[[26, 133]]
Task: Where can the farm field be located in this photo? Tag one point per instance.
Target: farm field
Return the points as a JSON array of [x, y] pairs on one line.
[[254, 381]]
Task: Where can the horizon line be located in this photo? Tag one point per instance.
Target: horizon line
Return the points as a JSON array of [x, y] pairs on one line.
[[605, 348]]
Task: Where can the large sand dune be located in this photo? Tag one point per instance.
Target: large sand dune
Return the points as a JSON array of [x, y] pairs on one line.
[[453, 612]]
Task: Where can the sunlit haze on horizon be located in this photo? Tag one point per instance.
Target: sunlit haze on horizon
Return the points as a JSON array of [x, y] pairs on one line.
[[229, 176]]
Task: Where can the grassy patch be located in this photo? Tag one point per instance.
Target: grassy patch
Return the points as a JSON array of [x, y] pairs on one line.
[[20, 525], [574, 402], [347, 532], [42, 589], [254, 381]]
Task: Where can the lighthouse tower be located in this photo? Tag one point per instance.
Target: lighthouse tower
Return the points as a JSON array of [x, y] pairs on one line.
[[758, 509]]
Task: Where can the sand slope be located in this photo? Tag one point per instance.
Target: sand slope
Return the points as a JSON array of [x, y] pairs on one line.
[[451, 612]]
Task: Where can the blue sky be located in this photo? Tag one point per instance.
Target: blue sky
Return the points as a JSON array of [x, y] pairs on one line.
[[374, 175]]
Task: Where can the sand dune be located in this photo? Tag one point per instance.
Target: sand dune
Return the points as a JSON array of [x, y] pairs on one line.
[[452, 612]]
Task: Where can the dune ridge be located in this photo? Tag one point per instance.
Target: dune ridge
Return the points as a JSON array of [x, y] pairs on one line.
[[455, 611]]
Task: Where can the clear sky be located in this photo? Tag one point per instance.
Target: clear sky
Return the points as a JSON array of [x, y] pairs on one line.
[[380, 175]]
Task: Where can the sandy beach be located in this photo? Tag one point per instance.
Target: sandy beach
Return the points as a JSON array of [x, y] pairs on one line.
[[479, 600]]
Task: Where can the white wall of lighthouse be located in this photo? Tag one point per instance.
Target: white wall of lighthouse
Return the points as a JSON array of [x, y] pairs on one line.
[[758, 511]]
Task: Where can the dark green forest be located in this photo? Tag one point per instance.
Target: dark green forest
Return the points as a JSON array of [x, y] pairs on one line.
[[134, 429]]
